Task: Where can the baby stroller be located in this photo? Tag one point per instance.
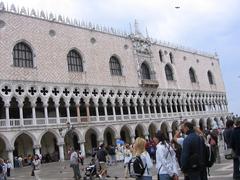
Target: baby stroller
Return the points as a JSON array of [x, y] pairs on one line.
[[91, 170]]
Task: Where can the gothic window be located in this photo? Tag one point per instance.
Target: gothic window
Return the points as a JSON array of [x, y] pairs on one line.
[[22, 55], [192, 75], [171, 57], [74, 61], [210, 77], [115, 66], [161, 55], [169, 72], [145, 71]]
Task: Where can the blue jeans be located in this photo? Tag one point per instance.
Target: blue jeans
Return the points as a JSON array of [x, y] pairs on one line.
[[144, 178], [165, 177]]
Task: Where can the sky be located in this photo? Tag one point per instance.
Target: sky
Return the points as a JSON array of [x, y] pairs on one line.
[[206, 25]]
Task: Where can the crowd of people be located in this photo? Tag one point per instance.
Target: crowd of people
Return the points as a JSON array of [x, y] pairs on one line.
[[191, 152]]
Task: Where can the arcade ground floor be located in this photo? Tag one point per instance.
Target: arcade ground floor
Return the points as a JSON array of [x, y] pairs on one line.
[[53, 142]]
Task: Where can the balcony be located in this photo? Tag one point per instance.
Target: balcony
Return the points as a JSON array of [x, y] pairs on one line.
[[149, 83], [29, 122]]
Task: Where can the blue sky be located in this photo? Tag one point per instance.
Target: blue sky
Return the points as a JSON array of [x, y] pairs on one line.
[[207, 25]]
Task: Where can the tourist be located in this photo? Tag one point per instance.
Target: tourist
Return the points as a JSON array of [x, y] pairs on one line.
[[236, 149], [127, 157], [37, 165], [9, 167], [74, 163], [101, 156], [166, 162], [139, 149], [192, 158]]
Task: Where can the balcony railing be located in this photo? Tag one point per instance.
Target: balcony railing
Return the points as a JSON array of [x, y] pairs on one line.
[[94, 119]]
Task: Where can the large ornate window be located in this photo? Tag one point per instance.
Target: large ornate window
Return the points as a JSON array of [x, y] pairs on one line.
[[210, 77], [74, 61], [169, 72], [192, 75], [161, 55], [145, 71], [115, 66], [22, 55]]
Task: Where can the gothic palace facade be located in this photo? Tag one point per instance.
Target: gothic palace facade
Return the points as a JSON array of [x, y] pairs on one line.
[[69, 83]]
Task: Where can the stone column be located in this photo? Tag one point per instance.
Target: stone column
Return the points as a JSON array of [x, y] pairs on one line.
[[176, 108], [129, 112], [82, 148], [87, 109], [171, 109], [105, 111], [114, 112], [61, 151], [7, 115], [34, 114], [160, 108], [20, 106], [68, 112], [97, 112], [57, 113], [136, 112], [45, 112], [149, 110], [78, 112], [166, 109], [155, 110], [121, 110], [10, 155], [143, 113]]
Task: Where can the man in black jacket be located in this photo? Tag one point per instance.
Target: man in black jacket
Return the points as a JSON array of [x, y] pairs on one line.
[[192, 157], [236, 148]]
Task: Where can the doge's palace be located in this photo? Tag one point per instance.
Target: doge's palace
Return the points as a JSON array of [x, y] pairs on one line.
[[68, 83]]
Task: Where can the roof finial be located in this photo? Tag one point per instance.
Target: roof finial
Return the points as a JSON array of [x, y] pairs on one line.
[[137, 32], [147, 35]]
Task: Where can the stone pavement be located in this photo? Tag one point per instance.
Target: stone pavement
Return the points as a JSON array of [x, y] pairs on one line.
[[61, 170]]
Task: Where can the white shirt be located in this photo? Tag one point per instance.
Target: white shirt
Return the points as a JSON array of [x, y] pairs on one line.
[[166, 160], [147, 161]]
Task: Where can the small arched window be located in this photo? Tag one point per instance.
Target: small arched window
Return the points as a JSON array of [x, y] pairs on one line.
[[169, 72], [145, 71], [74, 61], [22, 55], [192, 75], [210, 77], [115, 66], [171, 57], [161, 55]]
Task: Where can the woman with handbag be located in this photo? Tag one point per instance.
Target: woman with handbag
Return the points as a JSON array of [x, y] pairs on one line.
[[166, 159]]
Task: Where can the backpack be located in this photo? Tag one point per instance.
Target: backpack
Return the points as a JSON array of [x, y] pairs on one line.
[[136, 167], [210, 157]]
